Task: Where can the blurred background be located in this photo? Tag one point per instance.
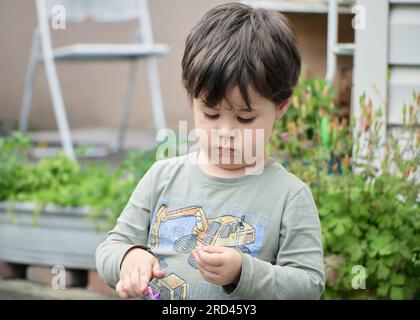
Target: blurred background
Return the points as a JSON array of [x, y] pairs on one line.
[[94, 92]]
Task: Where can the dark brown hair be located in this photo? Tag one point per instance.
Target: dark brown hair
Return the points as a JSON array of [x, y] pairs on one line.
[[237, 45]]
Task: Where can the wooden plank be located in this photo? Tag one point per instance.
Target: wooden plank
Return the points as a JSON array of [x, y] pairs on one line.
[[404, 35], [371, 60], [402, 82], [299, 6]]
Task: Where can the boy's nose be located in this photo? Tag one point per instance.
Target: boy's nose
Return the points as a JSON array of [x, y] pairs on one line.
[[227, 133]]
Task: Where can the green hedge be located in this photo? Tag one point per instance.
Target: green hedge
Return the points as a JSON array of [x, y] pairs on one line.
[[370, 218]]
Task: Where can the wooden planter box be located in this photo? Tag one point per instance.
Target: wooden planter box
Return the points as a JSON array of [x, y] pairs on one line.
[[62, 236]]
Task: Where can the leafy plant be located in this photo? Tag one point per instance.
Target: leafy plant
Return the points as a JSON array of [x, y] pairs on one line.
[[370, 211], [62, 181], [13, 156], [299, 130]]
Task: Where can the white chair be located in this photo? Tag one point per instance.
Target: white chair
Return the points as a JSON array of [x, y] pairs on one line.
[[95, 11]]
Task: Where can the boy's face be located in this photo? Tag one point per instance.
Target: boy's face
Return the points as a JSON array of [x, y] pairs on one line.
[[235, 138]]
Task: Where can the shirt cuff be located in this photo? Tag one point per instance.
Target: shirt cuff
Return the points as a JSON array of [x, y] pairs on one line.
[[243, 284], [130, 247]]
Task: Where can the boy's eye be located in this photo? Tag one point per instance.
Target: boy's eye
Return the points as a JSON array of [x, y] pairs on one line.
[[243, 120], [211, 116]]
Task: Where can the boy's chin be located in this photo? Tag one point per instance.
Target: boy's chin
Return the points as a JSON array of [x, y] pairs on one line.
[[232, 166], [229, 162], [234, 159]]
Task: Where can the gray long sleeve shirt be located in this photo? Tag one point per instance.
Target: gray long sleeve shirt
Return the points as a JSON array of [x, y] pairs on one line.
[[271, 218]]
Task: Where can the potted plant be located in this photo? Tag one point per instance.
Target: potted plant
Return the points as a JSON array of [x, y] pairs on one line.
[[56, 211]]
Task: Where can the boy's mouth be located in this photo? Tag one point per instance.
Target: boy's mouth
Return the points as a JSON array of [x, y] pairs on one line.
[[225, 151]]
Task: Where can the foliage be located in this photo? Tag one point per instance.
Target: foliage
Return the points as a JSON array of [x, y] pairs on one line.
[[62, 181], [369, 209], [299, 130]]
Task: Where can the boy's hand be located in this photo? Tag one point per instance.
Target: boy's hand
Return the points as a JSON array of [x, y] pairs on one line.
[[137, 269], [218, 265]]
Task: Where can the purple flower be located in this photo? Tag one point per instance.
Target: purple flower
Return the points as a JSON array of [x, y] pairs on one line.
[[284, 135]]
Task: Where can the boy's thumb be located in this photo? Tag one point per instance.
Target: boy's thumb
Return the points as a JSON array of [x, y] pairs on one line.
[[157, 271], [213, 249]]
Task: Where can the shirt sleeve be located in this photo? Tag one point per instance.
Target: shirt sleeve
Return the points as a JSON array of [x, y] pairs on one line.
[[131, 230], [299, 269]]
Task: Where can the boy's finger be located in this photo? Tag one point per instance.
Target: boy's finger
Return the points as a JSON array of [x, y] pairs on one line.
[[135, 282], [120, 290], [208, 275], [197, 259], [210, 258], [157, 271], [127, 288], [213, 249], [145, 275], [209, 268]]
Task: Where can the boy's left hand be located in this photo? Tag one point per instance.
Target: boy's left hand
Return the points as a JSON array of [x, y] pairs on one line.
[[218, 265]]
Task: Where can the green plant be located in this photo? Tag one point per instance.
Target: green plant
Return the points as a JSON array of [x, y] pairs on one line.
[[299, 130], [62, 181], [13, 156], [370, 213]]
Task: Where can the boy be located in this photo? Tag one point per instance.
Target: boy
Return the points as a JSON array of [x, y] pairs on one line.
[[224, 222]]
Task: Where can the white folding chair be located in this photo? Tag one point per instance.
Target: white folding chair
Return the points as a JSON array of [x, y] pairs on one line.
[[95, 11]]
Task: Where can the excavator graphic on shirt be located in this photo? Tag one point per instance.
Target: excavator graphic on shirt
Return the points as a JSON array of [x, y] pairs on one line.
[[227, 231]]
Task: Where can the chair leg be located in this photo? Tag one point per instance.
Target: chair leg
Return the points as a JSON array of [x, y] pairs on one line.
[[128, 103], [29, 83], [51, 72], [155, 93], [60, 112]]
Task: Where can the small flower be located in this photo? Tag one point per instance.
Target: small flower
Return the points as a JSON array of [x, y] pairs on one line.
[[284, 135]]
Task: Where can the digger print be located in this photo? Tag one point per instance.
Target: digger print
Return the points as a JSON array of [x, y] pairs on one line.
[[226, 230]]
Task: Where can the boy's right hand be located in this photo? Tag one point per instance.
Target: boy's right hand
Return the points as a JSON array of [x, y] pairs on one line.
[[137, 269]]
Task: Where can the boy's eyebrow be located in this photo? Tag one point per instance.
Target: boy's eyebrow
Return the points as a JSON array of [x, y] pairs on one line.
[[217, 108], [247, 110]]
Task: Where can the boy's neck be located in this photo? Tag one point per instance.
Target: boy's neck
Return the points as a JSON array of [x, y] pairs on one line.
[[204, 163]]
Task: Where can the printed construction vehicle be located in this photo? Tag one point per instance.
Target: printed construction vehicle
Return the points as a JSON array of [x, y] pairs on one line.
[[171, 287], [227, 231]]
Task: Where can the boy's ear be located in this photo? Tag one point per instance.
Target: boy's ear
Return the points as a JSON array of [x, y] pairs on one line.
[[283, 107]]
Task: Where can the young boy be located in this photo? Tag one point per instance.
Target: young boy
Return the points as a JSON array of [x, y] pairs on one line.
[[224, 222]]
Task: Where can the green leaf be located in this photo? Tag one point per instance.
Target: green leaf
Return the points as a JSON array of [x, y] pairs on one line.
[[339, 230], [398, 279], [383, 289], [397, 293], [386, 249], [383, 271], [356, 253]]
